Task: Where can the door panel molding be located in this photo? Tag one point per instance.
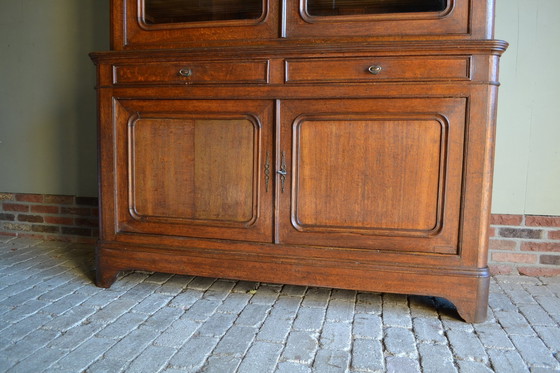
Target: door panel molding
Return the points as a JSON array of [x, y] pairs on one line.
[[431, 226], [193, 168], [402, 195]]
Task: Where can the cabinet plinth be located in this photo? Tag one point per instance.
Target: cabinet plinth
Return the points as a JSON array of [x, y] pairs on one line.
[[262, 145]]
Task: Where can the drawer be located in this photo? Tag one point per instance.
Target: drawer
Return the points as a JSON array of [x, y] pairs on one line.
[[368, 69], [198, 72]]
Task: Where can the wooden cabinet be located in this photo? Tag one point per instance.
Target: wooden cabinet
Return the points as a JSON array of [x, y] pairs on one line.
[[344, 144]]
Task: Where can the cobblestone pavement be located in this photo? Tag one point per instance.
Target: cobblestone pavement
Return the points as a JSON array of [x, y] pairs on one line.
[[52, 318]]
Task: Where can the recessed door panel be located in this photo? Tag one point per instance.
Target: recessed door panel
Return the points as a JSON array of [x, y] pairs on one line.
[[350, 166], [378, 174], [194, 168]]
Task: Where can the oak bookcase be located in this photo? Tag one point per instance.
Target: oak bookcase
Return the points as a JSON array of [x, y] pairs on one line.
[[338, 143]]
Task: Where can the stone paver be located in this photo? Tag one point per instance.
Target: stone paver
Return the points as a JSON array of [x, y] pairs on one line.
[[54, 319]]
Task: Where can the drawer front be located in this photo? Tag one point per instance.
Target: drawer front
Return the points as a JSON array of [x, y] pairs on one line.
[[369, 69], [212, 72]]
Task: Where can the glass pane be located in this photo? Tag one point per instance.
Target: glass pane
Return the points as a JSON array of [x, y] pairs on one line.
[[180, 11], [352, 7]]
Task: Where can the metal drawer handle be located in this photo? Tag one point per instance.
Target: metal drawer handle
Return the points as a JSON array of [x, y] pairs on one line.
[[375, 69], [186, 72]]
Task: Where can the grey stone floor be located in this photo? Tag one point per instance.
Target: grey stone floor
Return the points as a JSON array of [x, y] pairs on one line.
[[52, 318]]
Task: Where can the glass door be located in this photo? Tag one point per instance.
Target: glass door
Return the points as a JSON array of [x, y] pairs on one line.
[[182, 11], [155, 24], [377, 18], [353, 7]]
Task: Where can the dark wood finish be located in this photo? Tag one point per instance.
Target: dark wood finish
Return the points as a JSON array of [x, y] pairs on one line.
[[191, 72], [193, 168], [460, 19], [181, 11], [452, 21], [131, 30], [343, 150], [353, 7], [357, 69], [345, 188]]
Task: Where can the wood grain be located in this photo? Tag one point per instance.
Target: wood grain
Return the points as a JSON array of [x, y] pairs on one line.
[[279, 157]]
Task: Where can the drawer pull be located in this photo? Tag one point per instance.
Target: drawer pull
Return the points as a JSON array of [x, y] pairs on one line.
[[375, 69], [186, 72]]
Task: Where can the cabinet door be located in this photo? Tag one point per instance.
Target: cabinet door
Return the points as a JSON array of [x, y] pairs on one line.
[[373, 173], [193, 168], [377, 18], [172, 23]]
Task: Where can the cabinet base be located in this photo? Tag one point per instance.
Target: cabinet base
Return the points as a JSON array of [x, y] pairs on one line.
[[466, 288]]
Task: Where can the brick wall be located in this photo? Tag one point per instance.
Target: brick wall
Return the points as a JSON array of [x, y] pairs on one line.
[[525, 244], [49, 217]]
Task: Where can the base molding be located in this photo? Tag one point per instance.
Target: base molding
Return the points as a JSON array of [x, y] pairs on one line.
[[466, 288]]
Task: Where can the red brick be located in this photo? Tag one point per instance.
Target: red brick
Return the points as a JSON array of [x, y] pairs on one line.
[[525, 233], [502, 219], [59, 200], [7, 217], [16, 207], [504, 257], [501, 269], [59, 220], [30, 218], [9, 234], [540, 246], [550, 259], [539, 271], [502, 245], [491, 232], [32, 235], [521, 233], [85, 240], [45, 209], [542, 221], [45, 228], [84, 222], [80, 211], [74, 239], [29, 198], [87, 201], [17, 227], [76, 231], [554, 235]]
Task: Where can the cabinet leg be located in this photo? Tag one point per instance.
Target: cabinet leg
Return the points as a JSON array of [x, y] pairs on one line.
[[472, 312], [473, 308], [104, 277], [105, 274]]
